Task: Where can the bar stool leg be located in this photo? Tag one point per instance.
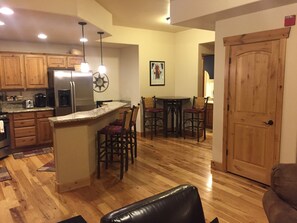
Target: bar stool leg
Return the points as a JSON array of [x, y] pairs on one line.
[[135, 140], [99, 155]]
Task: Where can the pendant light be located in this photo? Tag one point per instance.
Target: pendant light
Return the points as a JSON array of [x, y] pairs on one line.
[[84, 66], [101, 68]]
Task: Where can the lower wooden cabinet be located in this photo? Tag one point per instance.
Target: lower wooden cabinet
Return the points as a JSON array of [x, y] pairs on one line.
[[30, 129], [44, 131]]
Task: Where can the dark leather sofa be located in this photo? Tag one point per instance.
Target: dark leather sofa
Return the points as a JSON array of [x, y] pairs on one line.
[[181, 204], [280, 201]]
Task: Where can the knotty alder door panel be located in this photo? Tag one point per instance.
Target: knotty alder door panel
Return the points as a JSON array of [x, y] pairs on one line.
[[252, 109], [12, 71], [36, 71]]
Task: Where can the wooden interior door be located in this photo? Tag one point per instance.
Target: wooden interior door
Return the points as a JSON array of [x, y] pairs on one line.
[[252, 109]]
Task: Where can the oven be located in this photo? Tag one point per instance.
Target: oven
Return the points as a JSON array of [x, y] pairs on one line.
[[4, 135]]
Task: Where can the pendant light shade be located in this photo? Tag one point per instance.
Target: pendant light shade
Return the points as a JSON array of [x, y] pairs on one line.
[[101, 68], [84, 66]]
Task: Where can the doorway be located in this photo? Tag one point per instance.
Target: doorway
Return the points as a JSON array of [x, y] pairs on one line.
[[206, 78]]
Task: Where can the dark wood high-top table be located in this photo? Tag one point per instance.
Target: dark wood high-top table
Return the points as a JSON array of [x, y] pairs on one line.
[[173, 105]]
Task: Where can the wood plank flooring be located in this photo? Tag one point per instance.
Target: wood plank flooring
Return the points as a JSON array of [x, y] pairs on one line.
[[161, 164]]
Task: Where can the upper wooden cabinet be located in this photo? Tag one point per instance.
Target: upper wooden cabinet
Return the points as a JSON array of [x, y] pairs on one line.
[[36, 71], [29, 70], [12, 71], [74, 60], [56, 61]]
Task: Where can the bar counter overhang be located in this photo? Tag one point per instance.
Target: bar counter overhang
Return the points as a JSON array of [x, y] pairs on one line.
[[75, 145]]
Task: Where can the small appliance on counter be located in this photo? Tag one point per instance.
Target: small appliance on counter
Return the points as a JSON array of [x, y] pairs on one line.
[[40, 100], [28, 104]]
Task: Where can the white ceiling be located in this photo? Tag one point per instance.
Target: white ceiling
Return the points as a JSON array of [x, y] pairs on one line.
[[145, 14], [24, 25]]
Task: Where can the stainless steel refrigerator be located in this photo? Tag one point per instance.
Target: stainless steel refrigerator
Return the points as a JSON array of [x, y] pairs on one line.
[[70, 91]]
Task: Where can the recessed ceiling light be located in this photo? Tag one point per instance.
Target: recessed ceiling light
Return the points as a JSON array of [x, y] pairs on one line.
[[6, 11], [83, 40], [2, 23], [42, 36]]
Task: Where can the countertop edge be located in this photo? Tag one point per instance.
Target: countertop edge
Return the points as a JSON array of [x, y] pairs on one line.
[[20, 110], [87, 115]]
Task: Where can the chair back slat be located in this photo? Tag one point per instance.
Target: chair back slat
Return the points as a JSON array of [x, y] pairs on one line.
[[127, 119], [135, 112]]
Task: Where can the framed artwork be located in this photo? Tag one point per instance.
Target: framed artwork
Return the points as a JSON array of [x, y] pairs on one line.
[[157, 73]]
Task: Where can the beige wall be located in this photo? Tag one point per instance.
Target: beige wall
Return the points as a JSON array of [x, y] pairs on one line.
[[265, 20], [152, 45], [186, 60]]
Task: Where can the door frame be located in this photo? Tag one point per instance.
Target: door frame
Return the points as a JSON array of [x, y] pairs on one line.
[[277, 34]]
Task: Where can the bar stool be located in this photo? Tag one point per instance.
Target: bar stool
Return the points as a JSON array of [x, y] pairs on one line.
[[152, 116], [133, 131], [197, 119], [116, 141]]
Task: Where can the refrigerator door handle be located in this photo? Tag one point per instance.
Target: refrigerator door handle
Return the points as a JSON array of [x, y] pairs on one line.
[[74, 96]]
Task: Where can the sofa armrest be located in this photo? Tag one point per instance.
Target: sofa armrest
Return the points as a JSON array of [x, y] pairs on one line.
[[284, 182], [180, 204], [277, 210]]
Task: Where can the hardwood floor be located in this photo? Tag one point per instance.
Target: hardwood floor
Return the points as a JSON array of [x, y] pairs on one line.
[[161, 164]]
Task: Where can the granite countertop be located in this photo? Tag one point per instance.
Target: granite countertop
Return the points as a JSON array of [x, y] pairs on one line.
[[18, 110], [88, 115]]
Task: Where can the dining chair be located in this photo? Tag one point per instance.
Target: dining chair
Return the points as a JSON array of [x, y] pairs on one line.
[[152, 117], [194, 118]]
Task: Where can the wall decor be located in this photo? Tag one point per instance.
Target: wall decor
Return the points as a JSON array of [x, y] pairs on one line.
[[157, 73], [100, 82]]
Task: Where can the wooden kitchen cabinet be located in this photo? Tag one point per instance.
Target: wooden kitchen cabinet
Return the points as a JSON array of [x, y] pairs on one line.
[[73, 60], [12, 71], [24, 130], [36, 71], [44, 130], [30, 129], [54, 61]]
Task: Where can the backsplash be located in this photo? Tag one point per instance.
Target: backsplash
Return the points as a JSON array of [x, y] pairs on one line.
[[14, 99]]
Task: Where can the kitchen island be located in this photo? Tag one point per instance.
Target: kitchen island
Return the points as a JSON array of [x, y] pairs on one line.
[[75, 144]]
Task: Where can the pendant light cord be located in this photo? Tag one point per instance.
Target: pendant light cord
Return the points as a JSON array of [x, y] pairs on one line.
[[83, 37], [101, 47], [83, 42]]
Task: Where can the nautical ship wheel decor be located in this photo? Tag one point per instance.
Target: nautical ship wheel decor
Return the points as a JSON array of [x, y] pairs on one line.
[[100, 82]]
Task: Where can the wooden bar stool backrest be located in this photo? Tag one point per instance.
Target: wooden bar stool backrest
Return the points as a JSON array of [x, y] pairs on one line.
[[148, 102], [199, 102], [121, 112], [127, 119], [134, 114]]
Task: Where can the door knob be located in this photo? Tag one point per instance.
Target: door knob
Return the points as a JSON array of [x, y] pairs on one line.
[[269, 122]]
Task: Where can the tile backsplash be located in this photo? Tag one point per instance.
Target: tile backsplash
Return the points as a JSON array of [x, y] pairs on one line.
[[16, 98], [29, 94]]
